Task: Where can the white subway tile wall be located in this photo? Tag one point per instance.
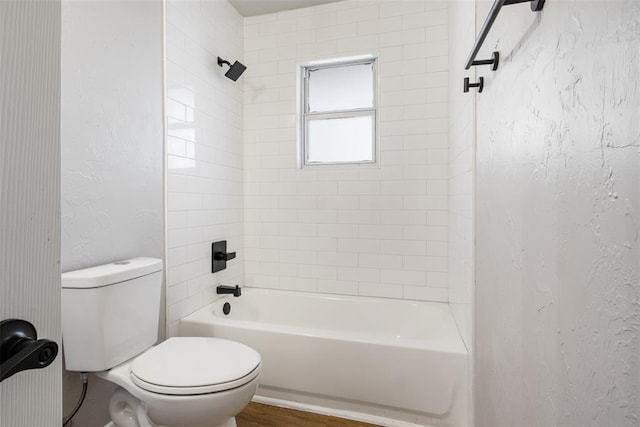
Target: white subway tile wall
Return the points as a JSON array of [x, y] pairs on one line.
[[378, 230], [204, 175]]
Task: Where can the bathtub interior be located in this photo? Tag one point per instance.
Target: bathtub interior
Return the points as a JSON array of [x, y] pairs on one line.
[[357, 318]]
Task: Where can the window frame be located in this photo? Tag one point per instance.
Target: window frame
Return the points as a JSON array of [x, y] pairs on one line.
[[304, 115]]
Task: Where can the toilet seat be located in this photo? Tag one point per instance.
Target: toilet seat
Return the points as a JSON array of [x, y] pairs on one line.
[[190, 366]]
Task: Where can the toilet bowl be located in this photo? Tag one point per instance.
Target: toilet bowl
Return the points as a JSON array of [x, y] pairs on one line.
[[190, 382], [110, 323]]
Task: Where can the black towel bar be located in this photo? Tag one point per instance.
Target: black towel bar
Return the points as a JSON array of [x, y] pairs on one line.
[[536, 6]]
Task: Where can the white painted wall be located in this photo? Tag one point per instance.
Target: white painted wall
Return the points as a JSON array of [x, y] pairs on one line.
[[112, 148], [362, 230], [462, 139], [558, 191], [30, 200], [204, 176], [461, 167]]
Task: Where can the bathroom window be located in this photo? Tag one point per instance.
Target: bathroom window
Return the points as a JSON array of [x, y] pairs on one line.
[[337, 111]]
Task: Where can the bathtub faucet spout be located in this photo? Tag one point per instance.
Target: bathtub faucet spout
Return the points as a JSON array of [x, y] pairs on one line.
[[224, 289]]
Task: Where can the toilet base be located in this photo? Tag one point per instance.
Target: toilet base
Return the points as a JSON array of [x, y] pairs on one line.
[[127, 411], [230, 423]]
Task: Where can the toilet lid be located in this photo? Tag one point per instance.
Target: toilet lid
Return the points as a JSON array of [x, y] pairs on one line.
[[182, 365]]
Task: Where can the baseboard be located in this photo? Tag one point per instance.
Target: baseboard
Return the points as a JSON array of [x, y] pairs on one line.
[[340, 413]]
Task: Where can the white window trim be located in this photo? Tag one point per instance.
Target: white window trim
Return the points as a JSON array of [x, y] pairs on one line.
[[302, 116]]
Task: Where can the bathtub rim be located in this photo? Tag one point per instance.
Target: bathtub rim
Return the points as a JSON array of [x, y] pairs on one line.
[[454, 345]]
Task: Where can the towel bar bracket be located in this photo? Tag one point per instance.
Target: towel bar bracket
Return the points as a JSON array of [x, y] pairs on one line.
[[495, 59], [536, 5], [479, 84]]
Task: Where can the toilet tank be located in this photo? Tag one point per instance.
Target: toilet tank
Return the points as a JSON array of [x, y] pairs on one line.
[[110, 313]]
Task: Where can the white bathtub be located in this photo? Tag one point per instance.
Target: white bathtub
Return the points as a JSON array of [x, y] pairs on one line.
[[392, 358]]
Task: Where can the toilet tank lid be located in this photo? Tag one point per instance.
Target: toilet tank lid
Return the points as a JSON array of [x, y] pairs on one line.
[[110, 274]]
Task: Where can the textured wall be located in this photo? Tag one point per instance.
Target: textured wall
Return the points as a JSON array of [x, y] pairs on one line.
[[111, 132], [558, 191], [30, 199], [363, 230], [204, 176], [112, 145]]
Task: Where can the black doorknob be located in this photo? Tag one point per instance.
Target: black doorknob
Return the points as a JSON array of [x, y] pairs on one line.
[[20, 348]]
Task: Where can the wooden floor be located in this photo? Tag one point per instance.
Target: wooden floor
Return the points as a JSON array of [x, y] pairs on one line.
[[259, 415]]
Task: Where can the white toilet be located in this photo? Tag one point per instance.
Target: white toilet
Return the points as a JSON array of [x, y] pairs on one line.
[[110, 317]]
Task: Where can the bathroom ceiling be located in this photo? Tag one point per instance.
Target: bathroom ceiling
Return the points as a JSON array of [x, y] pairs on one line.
[[261, 7]]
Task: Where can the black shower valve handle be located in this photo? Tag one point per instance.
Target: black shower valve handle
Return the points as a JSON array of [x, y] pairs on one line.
[[220, 256], [224, 256]]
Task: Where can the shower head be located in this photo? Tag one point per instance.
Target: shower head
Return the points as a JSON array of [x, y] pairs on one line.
[[234, 71]]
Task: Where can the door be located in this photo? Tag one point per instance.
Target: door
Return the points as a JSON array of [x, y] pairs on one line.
[[30, 199]]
